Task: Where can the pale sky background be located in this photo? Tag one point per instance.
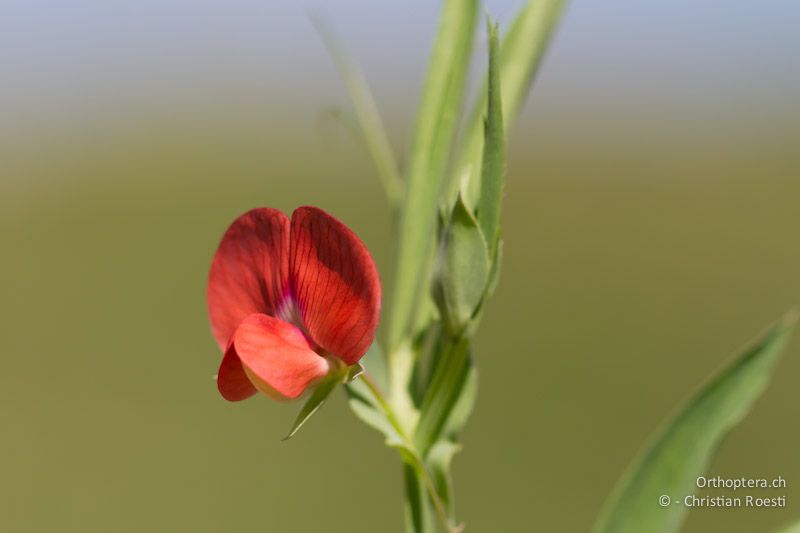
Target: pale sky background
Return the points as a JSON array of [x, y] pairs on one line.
[[67, 66]]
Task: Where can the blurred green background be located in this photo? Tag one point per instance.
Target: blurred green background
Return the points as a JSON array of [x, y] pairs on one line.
[[651, 229]]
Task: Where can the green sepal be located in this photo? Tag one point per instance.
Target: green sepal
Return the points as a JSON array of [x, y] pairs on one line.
[[353, 372], [338, 374]]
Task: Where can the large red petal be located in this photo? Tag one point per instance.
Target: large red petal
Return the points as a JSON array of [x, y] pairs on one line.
[[249, 272], [277, 357], [335, 284], [232, 381]]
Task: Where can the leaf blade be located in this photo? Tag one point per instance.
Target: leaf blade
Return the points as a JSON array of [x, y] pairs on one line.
[[683, 449], [431, 147], [793, 528], [493, 158], [454, 375], [520, 56]]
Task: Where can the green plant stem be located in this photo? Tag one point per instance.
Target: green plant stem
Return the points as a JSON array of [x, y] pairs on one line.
[[418, 464]]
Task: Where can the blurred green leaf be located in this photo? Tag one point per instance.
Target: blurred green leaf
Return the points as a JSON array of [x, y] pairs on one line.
[[363, 400], [440, 455], [419, 513], [317, 398], [449, 398], [431, 148], [426, 347], [794, 528], [521, 53], [493, 164], [462, 408], [374, 362], [494, 275], [462, 269], [439, 460], [683, 449], [374, 135]]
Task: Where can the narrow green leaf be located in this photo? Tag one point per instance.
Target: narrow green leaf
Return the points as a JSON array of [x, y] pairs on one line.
[[345, 121], [683, 449], [317, 398], [794, 528], [374, 135], [363, 402], [493, 164], [462, 407], [371, 414], [521, 53], [426, 347], [440, 458], [431, 148], [419, 513], [374, 362], [463, 269], [494, 275], [451, 378]]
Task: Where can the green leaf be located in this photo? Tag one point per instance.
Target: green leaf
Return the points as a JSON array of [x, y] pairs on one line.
[[440, 458], [374, 362], [794, 528], [419, 513], [449, 398], [462, 269], [521, 53], [371, 414], [367, 408], [363, 401], [459, 413], [494, 275], [493, 165], [317, 398], [431, 149], [374, 134], [683, 449]]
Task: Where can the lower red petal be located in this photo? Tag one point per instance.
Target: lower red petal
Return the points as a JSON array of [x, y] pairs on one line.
[[277, 357]]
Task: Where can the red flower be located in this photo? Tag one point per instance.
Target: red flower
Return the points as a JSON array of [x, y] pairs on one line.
[[287, 299]]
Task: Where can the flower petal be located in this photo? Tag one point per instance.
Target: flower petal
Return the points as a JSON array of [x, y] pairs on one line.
[[232, 381], [277, 357], [334, 283], [249, 272]]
